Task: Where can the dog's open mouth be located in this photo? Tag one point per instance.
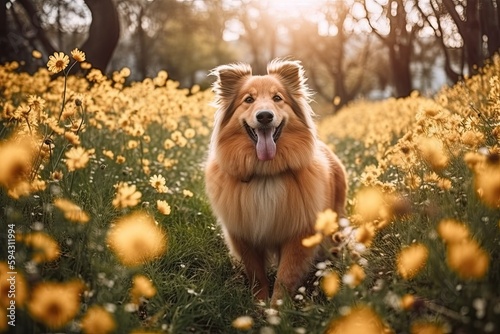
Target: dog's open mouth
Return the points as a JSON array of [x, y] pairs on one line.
[[265, 139]]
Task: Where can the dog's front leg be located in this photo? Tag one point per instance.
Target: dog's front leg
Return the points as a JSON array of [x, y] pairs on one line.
[[294, 264], [254, 261]]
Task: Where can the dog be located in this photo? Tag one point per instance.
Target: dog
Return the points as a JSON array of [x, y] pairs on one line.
[[267, 175]]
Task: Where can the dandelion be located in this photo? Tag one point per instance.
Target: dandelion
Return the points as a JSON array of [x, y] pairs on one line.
[[330, 284], [45, 248], [243, 323], [136, 239], [452, 231], [55, 304], [361, 319], [78, 55], [467, 259], [71, 211], [98, 321], [141, 288], [126, 196], [57, 62], [77, 158], [163, 207], [411, 260]]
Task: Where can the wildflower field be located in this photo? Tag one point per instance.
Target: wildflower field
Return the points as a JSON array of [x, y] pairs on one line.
[[105, 227]]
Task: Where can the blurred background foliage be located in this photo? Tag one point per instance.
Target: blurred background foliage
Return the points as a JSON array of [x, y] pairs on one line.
[[351, 49]]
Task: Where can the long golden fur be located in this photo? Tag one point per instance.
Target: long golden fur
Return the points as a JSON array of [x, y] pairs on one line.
[[267, 174]]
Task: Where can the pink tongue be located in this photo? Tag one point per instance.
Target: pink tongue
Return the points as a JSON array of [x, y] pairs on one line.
[[266, 147]]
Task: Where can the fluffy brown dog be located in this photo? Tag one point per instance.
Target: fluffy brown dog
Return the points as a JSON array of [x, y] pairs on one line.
[[267, 174]]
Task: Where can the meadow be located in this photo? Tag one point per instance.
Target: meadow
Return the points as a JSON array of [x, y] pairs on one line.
[[105, 226]]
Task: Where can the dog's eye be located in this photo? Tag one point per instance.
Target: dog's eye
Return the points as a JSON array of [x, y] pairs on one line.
[[249, 99], [277, 98]]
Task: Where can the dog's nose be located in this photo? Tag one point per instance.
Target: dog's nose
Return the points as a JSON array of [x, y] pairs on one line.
[[264, 117]]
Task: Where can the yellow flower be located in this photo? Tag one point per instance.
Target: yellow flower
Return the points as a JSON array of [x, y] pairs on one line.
[[36, 54], [78, 55], [71, 211], [407, 301], [57, 62], [163, 207], [361, 319], [313, 240], [21, 287], [158, 182], [354, 276], [141, 287], [467, 259], [372, 205], [365, 234], [452, 231], [55, 304], [326, 222], [16, 157], [411, 260], [427, 328], [77, 158], [433, 153], [98, 321], [472, 138], [36, 102], [108, 154], [243, 323], [189, 133], [72, 137], [168, 144], [126, 196], [330, 284], [45, 248], [187, 193], [120, 159], [136, 239], [487, 183]]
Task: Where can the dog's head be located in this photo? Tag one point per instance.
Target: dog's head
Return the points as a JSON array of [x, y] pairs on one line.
[[263, 123], [265, 109]]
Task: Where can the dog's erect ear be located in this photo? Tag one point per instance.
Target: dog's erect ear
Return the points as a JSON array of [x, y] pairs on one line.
[[229, 79], [291, 74]]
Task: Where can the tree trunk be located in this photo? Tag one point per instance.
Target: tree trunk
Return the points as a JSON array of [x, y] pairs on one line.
[[104, 33]]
